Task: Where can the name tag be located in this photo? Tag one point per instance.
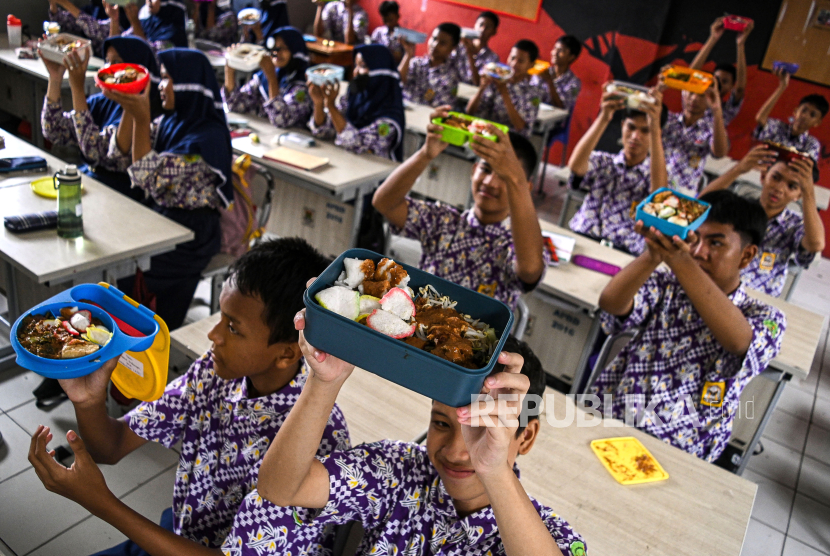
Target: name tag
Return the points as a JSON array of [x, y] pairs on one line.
[[488, 289], [767, 261], [712, 395]]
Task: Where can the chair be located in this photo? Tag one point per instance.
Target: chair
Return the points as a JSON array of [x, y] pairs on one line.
[[573, 200], [522, 317], [610, 348], [560, 134], [260, 210]]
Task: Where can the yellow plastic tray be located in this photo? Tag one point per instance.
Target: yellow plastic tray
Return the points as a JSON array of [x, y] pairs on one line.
[[620, 457], [45, 187], [687, 79], [539, 67]]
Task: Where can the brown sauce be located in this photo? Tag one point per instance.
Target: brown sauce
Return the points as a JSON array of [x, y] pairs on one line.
[[445, 332], [52, 342]]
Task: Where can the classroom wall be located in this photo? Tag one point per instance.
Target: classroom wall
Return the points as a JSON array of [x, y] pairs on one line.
[[622, 40]]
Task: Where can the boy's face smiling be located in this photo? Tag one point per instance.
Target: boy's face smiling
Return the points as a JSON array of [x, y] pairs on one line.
[[805, 117], [519, 62], [448, 453], [721, 253], [780, 187], [241, 348], [489, 194]]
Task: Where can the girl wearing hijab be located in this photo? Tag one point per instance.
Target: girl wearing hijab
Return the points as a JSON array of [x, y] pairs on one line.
[[160, 22], [94, 21], [182, 162], [95, 122], [274, 16], [278, 91], [370, 117]]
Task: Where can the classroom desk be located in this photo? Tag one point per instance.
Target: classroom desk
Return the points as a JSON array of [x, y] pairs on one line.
[[719, 166], [26, 81], [548, 118], [339, 53], [346, 177], [699, 509], [119, 234], [375, 408]]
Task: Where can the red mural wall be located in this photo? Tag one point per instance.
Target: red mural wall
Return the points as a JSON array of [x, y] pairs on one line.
[[637, 54]]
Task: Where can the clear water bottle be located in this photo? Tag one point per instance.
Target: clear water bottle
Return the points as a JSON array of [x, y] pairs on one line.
[[70, 210]]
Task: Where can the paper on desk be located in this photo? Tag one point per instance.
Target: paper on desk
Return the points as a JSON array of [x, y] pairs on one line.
[[564, 246], [296, 158]]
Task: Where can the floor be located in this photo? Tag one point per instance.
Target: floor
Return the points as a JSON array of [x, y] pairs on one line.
[[791, 516]]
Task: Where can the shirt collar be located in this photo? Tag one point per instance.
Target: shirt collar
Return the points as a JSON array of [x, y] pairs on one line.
[[619, 161], [282, 399], [473, 222]]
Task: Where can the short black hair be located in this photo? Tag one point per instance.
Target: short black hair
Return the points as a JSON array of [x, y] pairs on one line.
[[728, 68], [275, 272], [818, 101], [632, 113], [532, 368], [491, 16], [571, 43], [781, 158], [453, 30], [388, 7], [525, 152], [747, 217], [527, 45]]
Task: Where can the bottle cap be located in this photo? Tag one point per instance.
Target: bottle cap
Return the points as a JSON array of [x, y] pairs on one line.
[[11, 20], [71, 170]]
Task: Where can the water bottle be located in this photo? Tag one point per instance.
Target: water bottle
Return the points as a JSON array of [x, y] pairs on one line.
[[70, 210]]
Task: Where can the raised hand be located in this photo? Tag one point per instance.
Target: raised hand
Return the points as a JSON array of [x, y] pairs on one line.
[[759, 157], [434, 145], [324, 367], [92, 388]]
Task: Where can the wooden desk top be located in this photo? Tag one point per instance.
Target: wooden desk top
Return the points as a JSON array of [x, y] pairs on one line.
[[375, 408], [699, 509], [583, 287], [576, 284], [344, 172], [116, 228], [331, 47]]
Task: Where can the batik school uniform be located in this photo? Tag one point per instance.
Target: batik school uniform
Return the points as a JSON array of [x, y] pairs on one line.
[[431, 85], [781, 132], [380, 137], [456, 246], [611, 187], [85, 25], [382, 35], [674, 380], [225, 30], [336, 21], [165, 29], [686, 149], [94, 130], [293, 106], [782, 243], [567, 87], [730, 108], [481, 58], [224, 434], [526, 96], [394, 491]]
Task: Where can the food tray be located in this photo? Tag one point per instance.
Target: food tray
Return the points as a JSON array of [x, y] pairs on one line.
[[248, 16], [786, 66], [457, 136], [487, 70], [335, 74], [736, 23], [632, 93], [687, 79], [540, 66], [665, 227], [50, 50], [619, 457], [394, 359], [139, 336], [410, 35], [785, 153], [244, 57], [133, 88], [469, 33]]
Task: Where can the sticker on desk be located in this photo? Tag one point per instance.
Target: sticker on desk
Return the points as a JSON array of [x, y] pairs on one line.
[[628, 461], [563, 245], [132, 364]]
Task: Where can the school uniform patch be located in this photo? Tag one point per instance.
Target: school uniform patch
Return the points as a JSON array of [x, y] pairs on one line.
[[383, 130], [767, 262], [488, 289], [773, 328], [191, 158], [712, 395], [299, 96]]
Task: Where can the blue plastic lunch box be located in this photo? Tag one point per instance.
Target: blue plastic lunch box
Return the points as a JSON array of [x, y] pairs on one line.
[[394, 359], [665, 227], [107, 301], [410, 35]]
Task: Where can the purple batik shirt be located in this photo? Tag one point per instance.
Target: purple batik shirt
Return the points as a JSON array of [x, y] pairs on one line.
[[85, 25], [686, 149], [335, 20], [393, 490], [526, 96], [481, 58], [457, 247], [78, 128], [382, 35], [433, 86], [675, 365], [612, 187], [224, 434], [292, 107], [379, 138], [224, 32], [567, 87], [780, 132], [782, 243], [730, 109]]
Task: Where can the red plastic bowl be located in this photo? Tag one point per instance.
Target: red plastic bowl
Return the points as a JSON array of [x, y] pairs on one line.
[[735, 23], [784, 153], [129, 88]]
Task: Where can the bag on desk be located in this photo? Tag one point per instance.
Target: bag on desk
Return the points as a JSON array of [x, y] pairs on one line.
[[32, 222]]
